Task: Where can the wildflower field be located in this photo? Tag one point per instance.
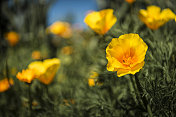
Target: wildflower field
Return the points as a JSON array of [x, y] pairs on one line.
[[122, 64]]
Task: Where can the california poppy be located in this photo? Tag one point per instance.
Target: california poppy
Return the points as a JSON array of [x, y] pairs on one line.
[[126, 54], [62, 29], [154, 18], [101, 21], [5, 84]]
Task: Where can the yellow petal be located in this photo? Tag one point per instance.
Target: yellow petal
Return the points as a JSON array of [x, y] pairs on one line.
[[153, 10], [51, 66], [167, 14], [100, 21], [122, 72], [26, 75], [38, 67], [91, 82], [92, 18], [114, 64], [109, 19], [137, 67]]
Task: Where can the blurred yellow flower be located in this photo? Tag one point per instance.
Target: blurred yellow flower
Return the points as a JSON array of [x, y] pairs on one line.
[[101, 21], [36, 55], [130, 1], [62, 29], [37, 67], [26, 75], [153, 17], [91, 82], [46, 70], [126, 54], [67, 50], [12, 38], [5, 84], [93, 79]]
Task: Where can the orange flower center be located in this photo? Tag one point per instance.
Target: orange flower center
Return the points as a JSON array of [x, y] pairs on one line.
[[128, 58]]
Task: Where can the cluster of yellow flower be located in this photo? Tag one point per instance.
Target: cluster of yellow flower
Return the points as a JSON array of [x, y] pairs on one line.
[[126, 54], [44, 71], [62, 29]]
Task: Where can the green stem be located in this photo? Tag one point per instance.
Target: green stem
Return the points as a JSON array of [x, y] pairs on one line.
[[144, 99], [133, 90], [7, 73], [30, 100]]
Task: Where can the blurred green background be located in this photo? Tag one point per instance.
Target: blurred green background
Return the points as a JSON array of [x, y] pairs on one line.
[[69, 95]]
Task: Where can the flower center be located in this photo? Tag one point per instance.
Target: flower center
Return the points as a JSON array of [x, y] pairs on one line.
[[127, 60]]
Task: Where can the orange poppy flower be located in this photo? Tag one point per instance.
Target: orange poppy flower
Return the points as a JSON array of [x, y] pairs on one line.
[[5, 84], [26, 75], [12, 38], [126, 54]]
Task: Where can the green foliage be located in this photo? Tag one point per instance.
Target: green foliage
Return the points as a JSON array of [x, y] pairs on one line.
[[69, 95]]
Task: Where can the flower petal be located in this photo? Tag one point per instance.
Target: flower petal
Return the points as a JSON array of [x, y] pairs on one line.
[[100, 21], [167, 14], [153, 10]]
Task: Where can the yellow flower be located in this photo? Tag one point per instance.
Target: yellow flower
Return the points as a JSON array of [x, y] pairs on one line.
[[12, 38], [153, 17], [130, 1], [91, 82], [67, 50], [26, 75], [62, 29], [46, 70], [93, 79], [36, 55], [126, 54], [101, 21], [5, 84], [37, 67]]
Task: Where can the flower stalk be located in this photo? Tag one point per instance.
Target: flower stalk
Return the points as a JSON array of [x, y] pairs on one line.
[[30, 99], [143, 97]]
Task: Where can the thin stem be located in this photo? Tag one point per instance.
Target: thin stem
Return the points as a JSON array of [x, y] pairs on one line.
[[46, 91], [7, 73], [144, 99], [133, 89], [30, 100]]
